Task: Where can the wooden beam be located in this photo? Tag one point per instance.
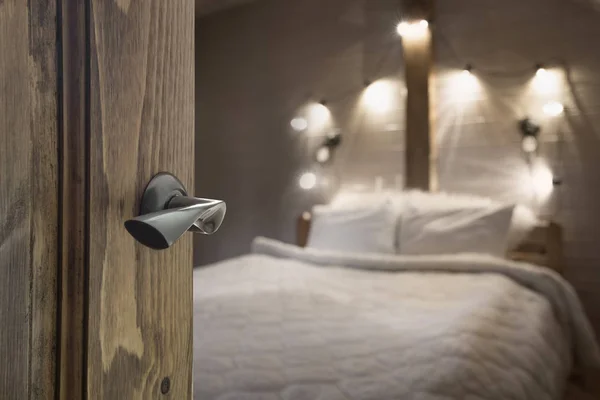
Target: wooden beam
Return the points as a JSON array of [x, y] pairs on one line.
[[420, 154]]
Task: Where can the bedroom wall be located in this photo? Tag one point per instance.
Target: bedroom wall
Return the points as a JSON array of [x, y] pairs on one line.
[[262, 64]]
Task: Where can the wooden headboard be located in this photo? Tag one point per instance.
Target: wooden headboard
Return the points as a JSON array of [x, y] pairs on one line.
[[542, 247]]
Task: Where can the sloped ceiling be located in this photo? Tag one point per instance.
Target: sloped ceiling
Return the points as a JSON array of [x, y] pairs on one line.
[[204, 7]]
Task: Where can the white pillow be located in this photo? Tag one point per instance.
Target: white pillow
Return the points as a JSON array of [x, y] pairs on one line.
[[466, 230], [445, 201], [359, 230], [523, 220], [348, 199]]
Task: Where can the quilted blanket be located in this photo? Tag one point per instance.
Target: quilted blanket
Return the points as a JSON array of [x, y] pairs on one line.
[[286, 323]]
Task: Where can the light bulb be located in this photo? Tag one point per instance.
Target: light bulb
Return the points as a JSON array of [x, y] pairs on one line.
[[553, 108], [308, 180], [323, 154], [299, 124], [468, 80], [412, 29], [319, 116], [545, 81], [529, 144], [403, 28]]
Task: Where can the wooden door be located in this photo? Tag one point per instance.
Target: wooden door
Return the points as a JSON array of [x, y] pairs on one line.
[[28, 198], [96, 97], [141, 123]]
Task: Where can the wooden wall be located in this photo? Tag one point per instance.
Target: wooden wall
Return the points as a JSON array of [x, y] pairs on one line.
[[28, 198]]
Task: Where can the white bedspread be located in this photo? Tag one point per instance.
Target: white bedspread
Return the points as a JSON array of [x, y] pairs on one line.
[[293, 324]]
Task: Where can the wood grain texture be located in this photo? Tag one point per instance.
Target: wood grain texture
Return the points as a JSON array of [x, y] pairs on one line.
[[141, 123], [28, 198], [417, 51], [74, 236]]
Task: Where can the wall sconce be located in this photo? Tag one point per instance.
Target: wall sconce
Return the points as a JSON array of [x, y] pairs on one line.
[[325, 151], [545, 81], [319, 116], [530, 132], [468, 79], [378, 96], [468, 70], [540, 71]]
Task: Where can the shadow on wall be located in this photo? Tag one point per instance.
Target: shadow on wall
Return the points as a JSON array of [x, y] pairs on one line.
[[260, 66]]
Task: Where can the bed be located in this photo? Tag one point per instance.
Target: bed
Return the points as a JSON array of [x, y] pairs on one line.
[[292, 323]]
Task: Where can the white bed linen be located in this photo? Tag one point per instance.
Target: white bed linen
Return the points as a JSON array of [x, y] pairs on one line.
[[370, 229], [295, 324], [484, 230]]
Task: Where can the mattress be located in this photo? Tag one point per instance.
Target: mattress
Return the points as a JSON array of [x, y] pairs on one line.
[[286, 323]]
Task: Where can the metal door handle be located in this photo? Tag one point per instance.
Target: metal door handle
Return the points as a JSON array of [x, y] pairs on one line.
[[167, 212]]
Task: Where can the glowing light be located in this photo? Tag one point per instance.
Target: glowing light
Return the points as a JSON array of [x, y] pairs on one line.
[[541, 72], [323, 154], [403, 28], [379, 97], [468, 81], [299, 124], [545, 81], [319, 116], [307, 180], [529, 144], [542, 181], [553, 108], [463, 86], [412, 29]]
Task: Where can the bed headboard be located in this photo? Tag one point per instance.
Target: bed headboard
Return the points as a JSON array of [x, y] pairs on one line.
[[542, 247]]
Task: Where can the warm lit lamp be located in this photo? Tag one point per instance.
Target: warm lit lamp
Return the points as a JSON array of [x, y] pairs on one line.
[[530, 132], [412, 29], [545, 81], [326, 150], [468, 70], [378, 96]]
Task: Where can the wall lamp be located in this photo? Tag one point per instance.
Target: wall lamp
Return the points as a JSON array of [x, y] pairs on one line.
[[325, 151], [530, 132]]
